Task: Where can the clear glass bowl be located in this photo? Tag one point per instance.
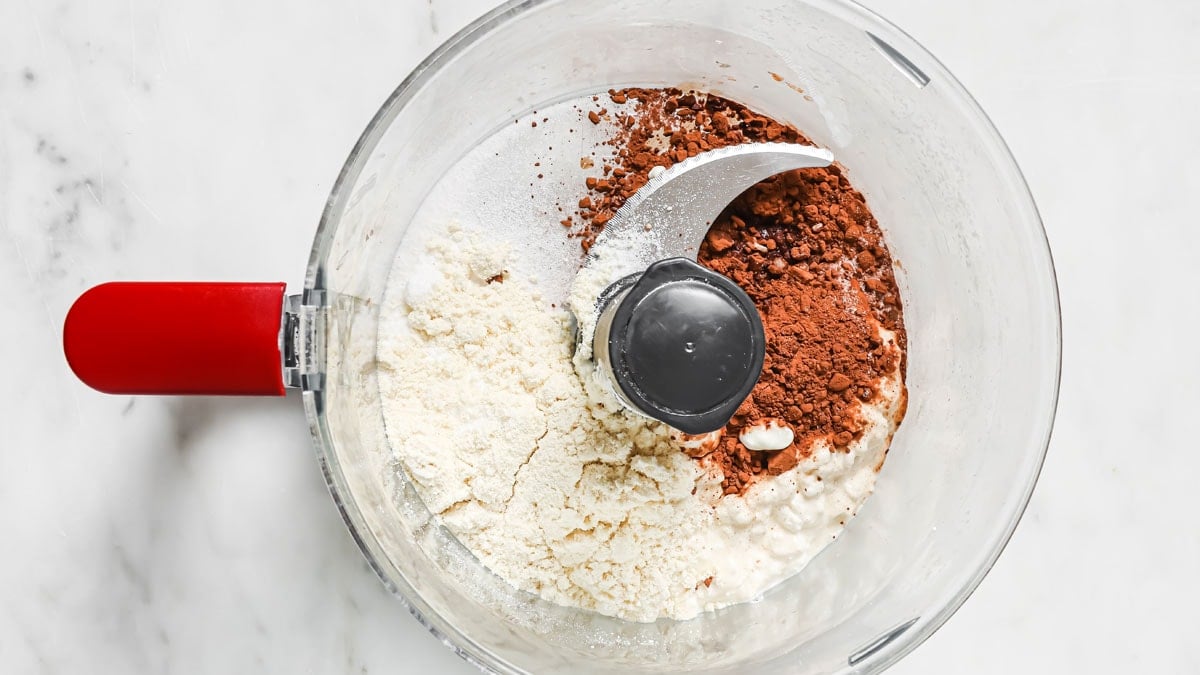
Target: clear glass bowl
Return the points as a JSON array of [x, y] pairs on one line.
[[976, 278]]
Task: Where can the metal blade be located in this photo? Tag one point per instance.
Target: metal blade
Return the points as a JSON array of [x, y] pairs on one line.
[[670, 215]]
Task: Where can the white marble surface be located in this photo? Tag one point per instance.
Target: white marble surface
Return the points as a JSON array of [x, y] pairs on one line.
[[199, 141]]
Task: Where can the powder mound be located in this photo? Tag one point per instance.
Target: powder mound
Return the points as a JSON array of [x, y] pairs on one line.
[[804, 246], [822, 312], [575, 500], [559, 491]]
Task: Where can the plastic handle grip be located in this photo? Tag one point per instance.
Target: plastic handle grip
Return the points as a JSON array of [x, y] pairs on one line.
[[178, 338]]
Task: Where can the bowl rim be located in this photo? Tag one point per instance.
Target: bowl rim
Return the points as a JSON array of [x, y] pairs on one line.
[[893, 646]]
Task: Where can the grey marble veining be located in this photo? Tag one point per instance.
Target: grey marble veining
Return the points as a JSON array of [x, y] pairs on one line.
[[199, 141]]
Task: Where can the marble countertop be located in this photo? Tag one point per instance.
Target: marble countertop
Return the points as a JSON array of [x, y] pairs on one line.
[[200, 140]]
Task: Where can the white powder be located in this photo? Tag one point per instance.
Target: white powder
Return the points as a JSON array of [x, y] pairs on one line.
[[555, 487], [612, 258]]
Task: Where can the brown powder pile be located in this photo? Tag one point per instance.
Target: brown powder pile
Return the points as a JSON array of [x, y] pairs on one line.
[[660, 127], [806, 249], [803, 245]]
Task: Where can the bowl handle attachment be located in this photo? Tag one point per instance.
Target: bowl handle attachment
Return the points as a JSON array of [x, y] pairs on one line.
[[178, 338]]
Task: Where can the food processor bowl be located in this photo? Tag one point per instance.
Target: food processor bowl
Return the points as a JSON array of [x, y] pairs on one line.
[[972, 262]]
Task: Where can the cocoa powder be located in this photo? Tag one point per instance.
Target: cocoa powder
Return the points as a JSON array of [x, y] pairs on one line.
[[803, 245], [820, 307], [659, 127]]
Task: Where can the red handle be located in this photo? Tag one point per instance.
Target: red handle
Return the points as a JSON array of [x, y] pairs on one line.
[[177, 338]]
